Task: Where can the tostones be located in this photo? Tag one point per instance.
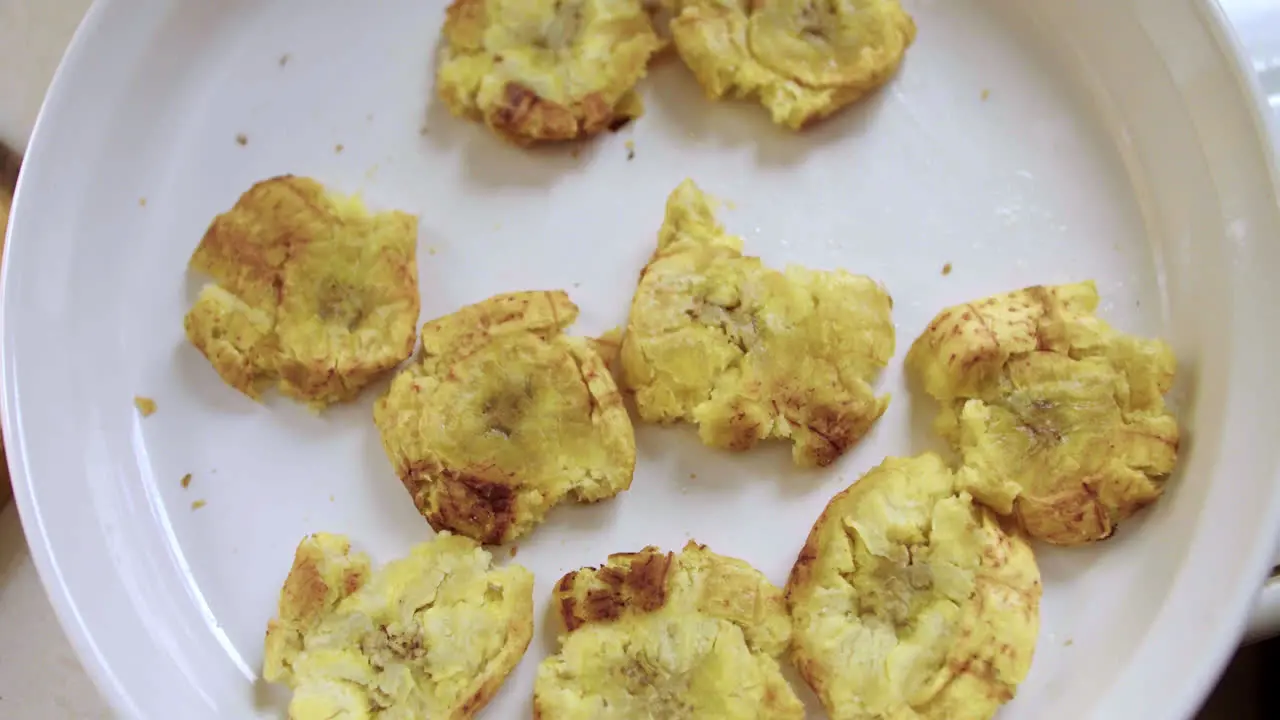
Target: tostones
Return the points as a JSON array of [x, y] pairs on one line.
[[749, 353], [1059, 418], [908, 600], [545, 70], [665, 635], [502, 417], [310, 291], [432, 635], [803, 59]]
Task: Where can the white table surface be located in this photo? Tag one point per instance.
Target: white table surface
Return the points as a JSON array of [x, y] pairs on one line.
[[40, 677]]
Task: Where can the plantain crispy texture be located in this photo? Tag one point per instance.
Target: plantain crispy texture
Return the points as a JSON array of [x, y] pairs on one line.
[[802, 59], [665, 635], [310, 292], [430, 635], [502, 417], [910, 601], [1059, 418], [749, 353], [545, 70]]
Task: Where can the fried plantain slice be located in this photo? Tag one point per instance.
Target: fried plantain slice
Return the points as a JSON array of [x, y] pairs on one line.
[[430, 635], [908, 600], [545, 70], [750, 353], [1059, 418], [502, 417], [665, 635], [310, 291], [803, 59]]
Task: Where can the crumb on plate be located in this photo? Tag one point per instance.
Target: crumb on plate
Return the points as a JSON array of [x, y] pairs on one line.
[[145, 405]]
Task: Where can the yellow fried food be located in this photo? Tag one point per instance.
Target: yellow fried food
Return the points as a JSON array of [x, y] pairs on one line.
[[432, 635], [540, 70], [1059, 418], [311, 291], [803, 59], [749, 353], [503, 417], [671, 636], [910, 601]]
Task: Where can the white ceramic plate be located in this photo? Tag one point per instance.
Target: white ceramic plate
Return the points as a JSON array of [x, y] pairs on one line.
[[1119, 141]]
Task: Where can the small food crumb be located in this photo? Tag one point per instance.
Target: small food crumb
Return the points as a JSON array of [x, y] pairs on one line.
[[514, 549], [142, 202], [631, 150], [574, 153], [186, 481], [1069, 643], [145, 405], [338, 148], [693, 476], [985, 93], [197, 505], [284, 59], [330, 498], [431, 251], [242, 139], [946, 269]]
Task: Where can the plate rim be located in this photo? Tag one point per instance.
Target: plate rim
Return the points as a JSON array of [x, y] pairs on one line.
[[48, 568]]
